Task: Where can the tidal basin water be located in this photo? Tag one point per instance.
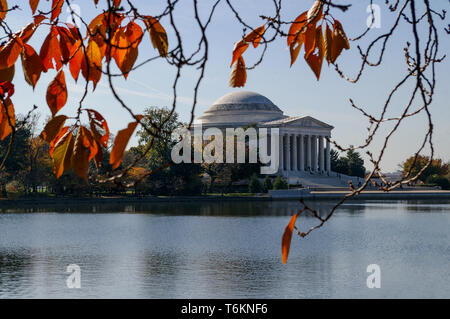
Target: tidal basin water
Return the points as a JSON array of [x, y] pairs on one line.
[[225, 250]]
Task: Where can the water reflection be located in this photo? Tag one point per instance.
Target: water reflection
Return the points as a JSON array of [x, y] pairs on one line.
[[225, 250]]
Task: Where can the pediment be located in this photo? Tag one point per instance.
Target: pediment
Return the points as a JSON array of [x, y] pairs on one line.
[[301, 121]]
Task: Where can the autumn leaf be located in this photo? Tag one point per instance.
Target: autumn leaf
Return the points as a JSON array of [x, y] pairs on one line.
[[315, 60], [7, 120], [32, 65], [315, 13], [6, 89], [80, 155], [33, 5], [58, 137], [56, 8], [255, 36], [51, 51], [120, 143], [89, 142], [158, 35], [57, 93], [62, 154], [27, 32], [238, 73], [7, 75], [328, 42], [295, 48], [340, 41], [66, 44], [3, 9], [309, 38], [99, 127], [53, 128], [125, 51], [239, 48], [9, 53], [296, 27], [287, 237], [76, 61], [94, 55]]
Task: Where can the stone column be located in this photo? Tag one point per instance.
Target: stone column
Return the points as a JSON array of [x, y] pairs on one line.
[[302, 152], [314, 153], [288, 152], [281, 150], [294, 144], [328, 155], [321, 155], [308, 152]]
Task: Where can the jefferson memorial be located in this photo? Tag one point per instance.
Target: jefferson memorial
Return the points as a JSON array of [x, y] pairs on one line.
[[304, 140]]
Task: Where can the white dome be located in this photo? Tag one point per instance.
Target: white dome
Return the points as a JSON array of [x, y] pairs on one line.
[[241, 108]]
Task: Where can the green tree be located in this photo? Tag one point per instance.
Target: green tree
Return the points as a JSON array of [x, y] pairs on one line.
[[280, 183], [438, 180], [267, 184], [355, 164], [254, 185], [413, 166]]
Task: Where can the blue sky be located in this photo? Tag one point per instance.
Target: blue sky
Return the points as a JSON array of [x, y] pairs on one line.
[[295, 90]]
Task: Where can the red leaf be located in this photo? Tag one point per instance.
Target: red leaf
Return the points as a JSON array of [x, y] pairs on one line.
[[57, 93], [120, 143]]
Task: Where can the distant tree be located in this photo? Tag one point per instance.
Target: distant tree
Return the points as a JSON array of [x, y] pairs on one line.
[[280, 183], [254, 185], [267, 184], [438, 180], [413, 166], [355, 164]]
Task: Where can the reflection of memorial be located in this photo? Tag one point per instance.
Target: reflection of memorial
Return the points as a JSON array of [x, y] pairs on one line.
[[303, 143]]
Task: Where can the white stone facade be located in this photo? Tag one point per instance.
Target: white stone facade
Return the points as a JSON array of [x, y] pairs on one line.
[[304, 141]]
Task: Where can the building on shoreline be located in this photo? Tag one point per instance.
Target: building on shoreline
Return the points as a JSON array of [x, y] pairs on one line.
[[304, 140]]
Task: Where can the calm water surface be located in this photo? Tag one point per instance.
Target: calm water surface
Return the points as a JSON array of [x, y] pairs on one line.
[[225, 250]]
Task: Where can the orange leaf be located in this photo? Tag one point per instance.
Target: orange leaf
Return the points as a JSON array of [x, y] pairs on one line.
[[27, 32], [97, 123], [77, 61], [94, 54], [295, 48], [239, 49], [58, 137], [53, 128], [340, 41], [9, 53], [56, 8], [7, 120], [32, 65], [89, 143], [80, 156], [158, 35], [255, 36], [296, 27], [7, 75], [3, 9], [287, 237], [120, 143], [33, 5], [125, 52], [57, 93], [51, 51], [238, 73], [328, 43], [309, 38], [62, 154], [315, 60], [316, 12]]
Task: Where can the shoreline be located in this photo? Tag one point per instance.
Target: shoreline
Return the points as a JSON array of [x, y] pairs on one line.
[[314, 196]]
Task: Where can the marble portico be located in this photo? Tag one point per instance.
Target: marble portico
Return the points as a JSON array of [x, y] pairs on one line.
[[304, 140]]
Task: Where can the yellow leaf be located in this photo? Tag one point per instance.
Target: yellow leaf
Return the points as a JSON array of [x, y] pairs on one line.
[[62, 154], [158, 35]]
